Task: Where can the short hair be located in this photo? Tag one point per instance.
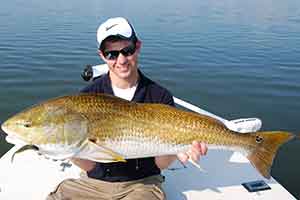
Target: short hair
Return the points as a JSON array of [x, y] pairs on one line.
[[116, 38]]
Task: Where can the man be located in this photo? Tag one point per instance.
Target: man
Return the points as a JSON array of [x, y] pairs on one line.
[[119, 47]]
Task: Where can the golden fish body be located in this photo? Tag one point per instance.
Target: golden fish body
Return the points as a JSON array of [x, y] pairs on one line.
[[104, 128]]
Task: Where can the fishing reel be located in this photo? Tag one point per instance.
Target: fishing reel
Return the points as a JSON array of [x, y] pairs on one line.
[[91, 73], [87, 73]]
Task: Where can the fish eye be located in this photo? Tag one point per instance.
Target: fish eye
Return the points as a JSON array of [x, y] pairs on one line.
[[258, 139], [27, 124]]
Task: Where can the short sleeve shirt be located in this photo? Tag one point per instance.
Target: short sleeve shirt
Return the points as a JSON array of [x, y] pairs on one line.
[[147, 92]]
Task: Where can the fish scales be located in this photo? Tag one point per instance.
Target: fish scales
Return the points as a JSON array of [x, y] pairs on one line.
[[153, 120]]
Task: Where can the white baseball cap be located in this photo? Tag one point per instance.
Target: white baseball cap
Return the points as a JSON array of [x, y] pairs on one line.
[[117, 26]]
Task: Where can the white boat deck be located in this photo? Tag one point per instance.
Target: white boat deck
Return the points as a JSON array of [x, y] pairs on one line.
[[32, 177]]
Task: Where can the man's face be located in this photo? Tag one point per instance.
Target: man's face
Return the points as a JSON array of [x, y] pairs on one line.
[[122, 66]]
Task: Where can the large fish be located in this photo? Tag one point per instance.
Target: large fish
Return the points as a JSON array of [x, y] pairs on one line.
[[108, 129]]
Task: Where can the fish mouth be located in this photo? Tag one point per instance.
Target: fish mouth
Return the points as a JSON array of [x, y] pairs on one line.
[[3, 127], [12, 138]]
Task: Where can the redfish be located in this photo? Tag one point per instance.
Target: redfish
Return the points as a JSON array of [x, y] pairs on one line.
[[104, 128]]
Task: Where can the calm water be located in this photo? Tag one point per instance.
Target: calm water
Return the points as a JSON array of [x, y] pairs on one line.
[[234, 58]]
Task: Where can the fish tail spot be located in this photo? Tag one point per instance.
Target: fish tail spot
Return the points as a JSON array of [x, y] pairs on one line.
[[267, 145]]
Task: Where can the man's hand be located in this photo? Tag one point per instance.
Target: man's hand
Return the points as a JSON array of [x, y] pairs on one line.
[[197, 150]]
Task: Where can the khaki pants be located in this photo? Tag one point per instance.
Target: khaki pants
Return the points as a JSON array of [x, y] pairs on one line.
[[91, 189]]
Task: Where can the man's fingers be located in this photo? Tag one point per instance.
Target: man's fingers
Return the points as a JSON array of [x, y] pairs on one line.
[[183, 157], [194, 153], [197, 150], [203, 148]]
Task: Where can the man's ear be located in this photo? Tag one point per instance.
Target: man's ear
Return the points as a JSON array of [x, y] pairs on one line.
[[138, 45], [101, 55]]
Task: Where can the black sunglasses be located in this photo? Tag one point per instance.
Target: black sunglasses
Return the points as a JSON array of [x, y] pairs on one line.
[[113, 55]]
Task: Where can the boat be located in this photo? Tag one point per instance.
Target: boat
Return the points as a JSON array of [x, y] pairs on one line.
[[227, 175]]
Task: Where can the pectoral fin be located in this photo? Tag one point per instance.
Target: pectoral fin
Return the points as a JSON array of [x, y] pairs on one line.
[[98, 153], [24, 148]]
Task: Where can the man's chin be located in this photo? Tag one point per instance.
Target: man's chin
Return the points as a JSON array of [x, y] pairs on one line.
[[124, 73]]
